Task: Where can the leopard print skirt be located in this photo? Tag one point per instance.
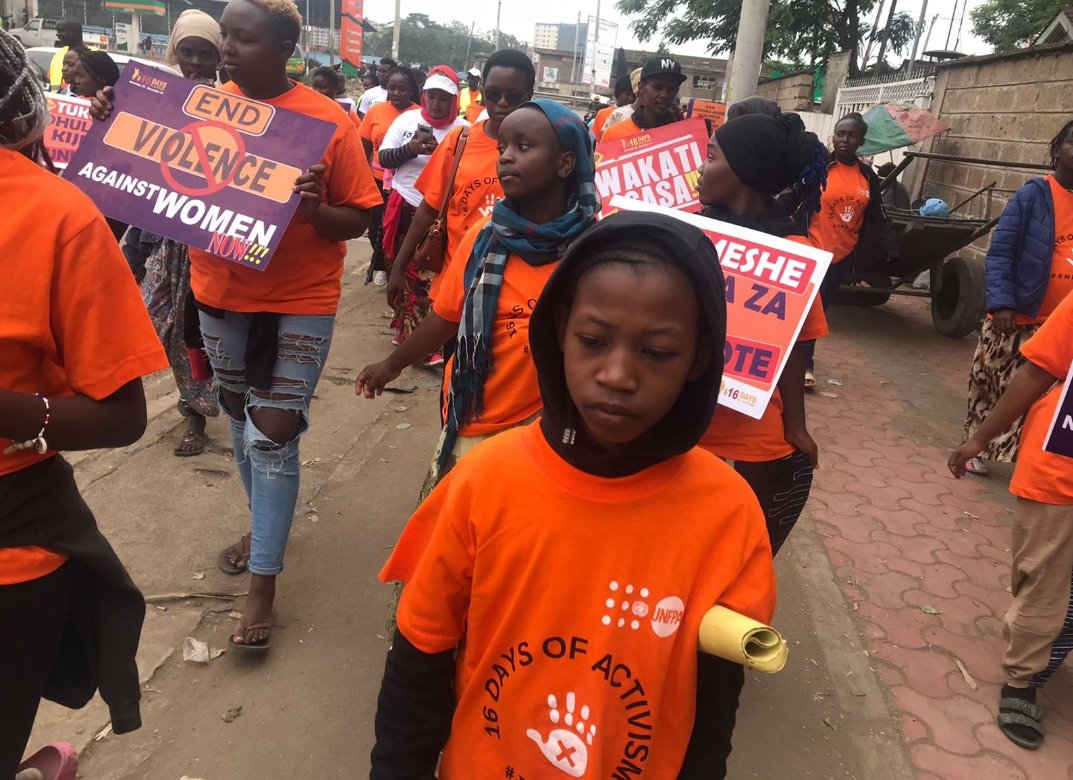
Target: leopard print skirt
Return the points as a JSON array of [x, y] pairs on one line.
[[997, 358]]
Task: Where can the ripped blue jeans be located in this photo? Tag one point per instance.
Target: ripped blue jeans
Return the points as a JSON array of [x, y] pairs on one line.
[[269, 469]]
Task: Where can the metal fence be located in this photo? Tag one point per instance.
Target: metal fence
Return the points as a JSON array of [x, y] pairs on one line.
[[918, 91]]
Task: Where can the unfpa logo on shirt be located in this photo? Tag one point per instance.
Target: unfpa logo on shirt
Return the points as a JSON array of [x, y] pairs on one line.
[[632, 606]]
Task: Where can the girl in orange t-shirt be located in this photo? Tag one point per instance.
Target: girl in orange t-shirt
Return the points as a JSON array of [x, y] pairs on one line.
[[557, 578], [1038, 626], [546, 166], [401, 90], [75, 341], [750, 160], [509, 78]]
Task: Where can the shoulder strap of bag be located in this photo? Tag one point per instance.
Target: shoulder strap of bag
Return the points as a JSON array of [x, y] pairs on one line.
[[461, 147]]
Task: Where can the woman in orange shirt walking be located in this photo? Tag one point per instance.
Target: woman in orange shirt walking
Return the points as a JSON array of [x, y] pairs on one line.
[[402, 88], [75, 342], [267, 333]]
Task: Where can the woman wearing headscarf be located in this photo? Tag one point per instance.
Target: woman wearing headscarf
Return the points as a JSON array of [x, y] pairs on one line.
[[752, 159], [547, 171], [194, 48], [74, 346], [95, 71], [405, 150]]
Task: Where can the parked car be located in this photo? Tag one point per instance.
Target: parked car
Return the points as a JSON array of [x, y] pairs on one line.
[[296, 65], [40, 58], [41, 31]]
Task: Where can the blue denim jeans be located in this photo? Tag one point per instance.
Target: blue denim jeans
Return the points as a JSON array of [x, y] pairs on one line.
[[269, 469]]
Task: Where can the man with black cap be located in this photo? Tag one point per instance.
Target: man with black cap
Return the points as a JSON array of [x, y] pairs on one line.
[[623, 97], [661, 78]]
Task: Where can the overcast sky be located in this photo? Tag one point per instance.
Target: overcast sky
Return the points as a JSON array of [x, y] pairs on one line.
[[519, 17]]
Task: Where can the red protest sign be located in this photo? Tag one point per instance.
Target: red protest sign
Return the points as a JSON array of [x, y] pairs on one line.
[[658, 166], [716, 113], [771, 284], [70, 122]]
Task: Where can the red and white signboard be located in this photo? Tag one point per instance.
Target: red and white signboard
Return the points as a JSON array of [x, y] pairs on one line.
[[771, 284], [658, 166], [70, 123], [350, 32]]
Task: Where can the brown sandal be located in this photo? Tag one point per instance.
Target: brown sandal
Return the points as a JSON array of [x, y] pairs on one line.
[[260, 646], [229, 565]]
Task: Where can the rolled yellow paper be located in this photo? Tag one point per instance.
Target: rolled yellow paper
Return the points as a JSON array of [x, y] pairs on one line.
[[744, 641]]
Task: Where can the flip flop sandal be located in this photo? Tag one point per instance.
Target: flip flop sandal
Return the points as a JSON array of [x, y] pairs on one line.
[[1013, 711], [184, 408], [58, 761], [191, 437], [255, 648], [226, 565]]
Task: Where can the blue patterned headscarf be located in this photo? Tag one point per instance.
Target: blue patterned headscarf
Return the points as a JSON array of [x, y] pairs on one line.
[[506, 234]]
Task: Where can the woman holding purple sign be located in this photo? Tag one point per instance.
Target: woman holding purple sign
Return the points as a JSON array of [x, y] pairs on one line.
[[267, 333], [195, 48]]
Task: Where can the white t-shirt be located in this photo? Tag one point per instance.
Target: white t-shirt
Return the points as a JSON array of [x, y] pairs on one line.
[[399, 134], [371, 97]]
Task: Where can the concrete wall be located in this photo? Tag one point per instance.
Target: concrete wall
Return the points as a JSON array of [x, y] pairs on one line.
[[792, 93], [1003, 108], [837, 72]]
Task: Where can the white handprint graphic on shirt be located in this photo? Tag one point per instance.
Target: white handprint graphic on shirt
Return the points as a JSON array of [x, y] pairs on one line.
[[566, 746]]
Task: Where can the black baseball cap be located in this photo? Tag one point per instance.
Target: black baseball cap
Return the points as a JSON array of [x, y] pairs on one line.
[[662, 66]]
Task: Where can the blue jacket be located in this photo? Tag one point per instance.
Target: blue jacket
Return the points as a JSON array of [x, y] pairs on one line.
[[1018, 265]]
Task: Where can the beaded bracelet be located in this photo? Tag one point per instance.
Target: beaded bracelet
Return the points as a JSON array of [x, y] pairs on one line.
[[38, 442]]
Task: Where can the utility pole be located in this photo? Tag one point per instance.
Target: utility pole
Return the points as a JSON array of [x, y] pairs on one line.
[[307, 23], [331, 32], [916, 39], [574, 77], [595, 47], [886, 35], [469, 43], [872, 37], [749, 49], [395, 32], [499, 8], [950, 29]]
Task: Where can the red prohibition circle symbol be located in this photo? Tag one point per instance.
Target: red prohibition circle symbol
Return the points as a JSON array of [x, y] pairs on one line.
[[204, 164]]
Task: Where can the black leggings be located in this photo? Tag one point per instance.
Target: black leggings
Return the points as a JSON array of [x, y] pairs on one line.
[[33, 615], [782, 487], [376, 235]]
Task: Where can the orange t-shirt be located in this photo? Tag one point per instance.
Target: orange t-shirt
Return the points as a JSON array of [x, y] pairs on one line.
[[1061, 279], [837, 226], [304, 276], [355, 119], [511, 392], [600, 119], [623, 129], [375, 126], [473, 110], [736, 436], [72, 321], [571, 593], [1040, 475], [471, 196]]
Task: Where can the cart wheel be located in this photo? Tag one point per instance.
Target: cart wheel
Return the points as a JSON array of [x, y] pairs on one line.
[[957, 305]]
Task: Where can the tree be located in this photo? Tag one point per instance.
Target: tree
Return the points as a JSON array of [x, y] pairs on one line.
[[805, 32], [1013, 24], [425, 41]]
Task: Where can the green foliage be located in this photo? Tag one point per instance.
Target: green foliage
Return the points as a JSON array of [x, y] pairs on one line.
[[1013, 24], [802, 32], [431, 43]]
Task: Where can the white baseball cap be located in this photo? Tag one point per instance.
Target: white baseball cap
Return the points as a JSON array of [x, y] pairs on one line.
[[440, 81], [474, 72]]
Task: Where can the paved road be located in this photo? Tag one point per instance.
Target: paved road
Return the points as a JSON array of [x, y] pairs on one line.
[[873, 690]]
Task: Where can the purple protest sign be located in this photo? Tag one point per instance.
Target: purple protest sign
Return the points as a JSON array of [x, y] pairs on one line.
[[1060, 436], [200, 165]]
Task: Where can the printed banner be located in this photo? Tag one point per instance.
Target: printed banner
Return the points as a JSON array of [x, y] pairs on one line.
[[658, 166], [716, 113], [198, 165], [771, 284], [70, 123], [351, 31], [1060, 437]]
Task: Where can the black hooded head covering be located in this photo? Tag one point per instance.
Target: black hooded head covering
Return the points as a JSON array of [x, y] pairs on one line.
[[667, 240], [101, 67]]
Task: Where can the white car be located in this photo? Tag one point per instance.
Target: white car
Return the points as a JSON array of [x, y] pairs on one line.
[[41, 31], [40, 59]]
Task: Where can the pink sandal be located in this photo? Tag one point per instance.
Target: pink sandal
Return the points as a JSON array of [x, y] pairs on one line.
[[58, 761]]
